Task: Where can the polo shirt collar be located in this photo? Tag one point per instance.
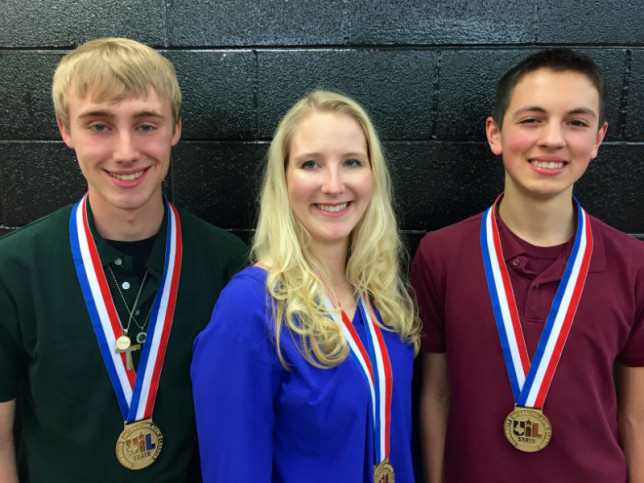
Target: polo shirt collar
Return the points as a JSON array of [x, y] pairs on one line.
[[108, 254], [513, 249]]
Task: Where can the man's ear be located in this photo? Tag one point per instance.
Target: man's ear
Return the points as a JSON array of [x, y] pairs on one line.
[[65, 134], [493, 133], [598, 139], [176, 135]]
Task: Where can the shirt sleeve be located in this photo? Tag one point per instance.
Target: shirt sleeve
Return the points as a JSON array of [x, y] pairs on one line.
[[633, 353], [423, 278], [10, 349], [236, 374]]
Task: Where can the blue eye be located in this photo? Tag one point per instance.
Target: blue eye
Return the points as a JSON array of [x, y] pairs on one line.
[[310, 164], [352, 163], [146, 127], [98, 127]]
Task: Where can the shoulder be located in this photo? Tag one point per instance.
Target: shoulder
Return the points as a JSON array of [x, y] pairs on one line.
[[246, 286], [452, 239], [243, 308], [617, 245], [41, 236]]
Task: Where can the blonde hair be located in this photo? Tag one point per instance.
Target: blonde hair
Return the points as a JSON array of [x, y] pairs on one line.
[[114, 69], [282, 244]]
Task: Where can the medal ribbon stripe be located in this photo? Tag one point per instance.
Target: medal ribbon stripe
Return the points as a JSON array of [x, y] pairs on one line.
[[560, 321], [101, 309], [379, 377], [127, 385], [360, 357], [384, 383], [98, 275], [520, 346], [502, 298], [532, 392], [164, 303]]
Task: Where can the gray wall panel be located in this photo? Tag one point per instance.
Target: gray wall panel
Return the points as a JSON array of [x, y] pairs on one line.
[[25, 102], [37, 178], [421, 22], [56, 23], [592, 22], [395, 87], [425, 71], [260, 22], [218, 89]]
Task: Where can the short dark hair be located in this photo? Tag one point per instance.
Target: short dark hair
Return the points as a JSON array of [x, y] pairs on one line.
[[554, 59]]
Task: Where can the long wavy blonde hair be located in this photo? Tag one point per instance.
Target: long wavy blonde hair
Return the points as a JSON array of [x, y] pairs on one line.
[[295, 274]]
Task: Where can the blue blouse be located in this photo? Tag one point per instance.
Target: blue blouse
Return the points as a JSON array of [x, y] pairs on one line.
[[258, 422]]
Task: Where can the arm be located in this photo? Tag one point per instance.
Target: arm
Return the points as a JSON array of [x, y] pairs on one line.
[[235, 379], [8, 471], [631, 419], [434, 408]]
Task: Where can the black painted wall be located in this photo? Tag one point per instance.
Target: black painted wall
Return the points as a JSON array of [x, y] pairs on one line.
[[425, 70]]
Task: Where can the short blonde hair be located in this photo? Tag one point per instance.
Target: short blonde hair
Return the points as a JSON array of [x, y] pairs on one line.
[[283, 244], [114, 69]]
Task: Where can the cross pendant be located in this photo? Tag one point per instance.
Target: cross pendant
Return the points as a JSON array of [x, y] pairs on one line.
[[129, 363]]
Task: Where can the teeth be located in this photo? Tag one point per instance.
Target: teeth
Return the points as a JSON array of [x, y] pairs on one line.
[[548, 164], [333, 208], [127, 177]]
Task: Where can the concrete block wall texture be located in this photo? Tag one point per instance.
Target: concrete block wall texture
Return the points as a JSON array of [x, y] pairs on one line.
[[425, 70]]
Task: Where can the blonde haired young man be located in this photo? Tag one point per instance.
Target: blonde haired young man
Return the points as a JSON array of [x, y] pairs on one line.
[[101, 300], [528, 308]]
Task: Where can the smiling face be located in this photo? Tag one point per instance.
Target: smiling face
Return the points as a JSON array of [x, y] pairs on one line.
[[328, 177], [123, 149], [550, 133]]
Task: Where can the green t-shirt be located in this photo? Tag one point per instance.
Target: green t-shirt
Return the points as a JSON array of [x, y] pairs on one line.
[[69, 415]]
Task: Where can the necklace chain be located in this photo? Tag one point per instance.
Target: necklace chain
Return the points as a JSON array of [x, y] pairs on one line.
[[127, 307]]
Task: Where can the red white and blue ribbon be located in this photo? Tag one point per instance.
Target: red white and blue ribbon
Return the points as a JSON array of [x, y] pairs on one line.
[[374, 364], [531, 381], [135, 390]]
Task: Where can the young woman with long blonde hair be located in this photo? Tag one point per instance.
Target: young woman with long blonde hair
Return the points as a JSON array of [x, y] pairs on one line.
[[304, 373]]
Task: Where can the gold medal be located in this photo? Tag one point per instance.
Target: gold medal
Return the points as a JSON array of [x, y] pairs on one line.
[[139, 445], [528, 429], [123, 343], [384, 472]]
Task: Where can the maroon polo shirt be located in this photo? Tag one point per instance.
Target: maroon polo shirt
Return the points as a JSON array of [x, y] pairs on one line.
[[450, 284]]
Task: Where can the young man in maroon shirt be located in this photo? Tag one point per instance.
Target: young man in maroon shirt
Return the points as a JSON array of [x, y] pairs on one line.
[[529, 307]]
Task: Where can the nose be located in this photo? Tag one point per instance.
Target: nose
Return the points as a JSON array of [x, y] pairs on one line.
[[124, 147], [332, 183], [553, 135]]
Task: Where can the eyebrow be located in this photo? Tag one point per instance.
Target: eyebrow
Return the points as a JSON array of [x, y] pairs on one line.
[[315, 153], [101, 113], [578, 110]]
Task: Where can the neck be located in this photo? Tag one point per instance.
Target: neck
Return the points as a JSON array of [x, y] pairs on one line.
[[540, 222], [334, 259], [118, 224]]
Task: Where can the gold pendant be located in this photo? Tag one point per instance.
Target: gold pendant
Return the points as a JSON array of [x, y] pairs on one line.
[[384, 472], [122, 343], [527, 429], [139, 445]]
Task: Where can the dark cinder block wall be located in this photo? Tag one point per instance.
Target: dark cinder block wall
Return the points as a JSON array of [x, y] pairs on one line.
[[425, 70]]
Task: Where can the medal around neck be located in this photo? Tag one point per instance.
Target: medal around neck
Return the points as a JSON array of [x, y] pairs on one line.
[[135, 391], [374, 364], [384, 473], [139, 445], [527, 428]]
